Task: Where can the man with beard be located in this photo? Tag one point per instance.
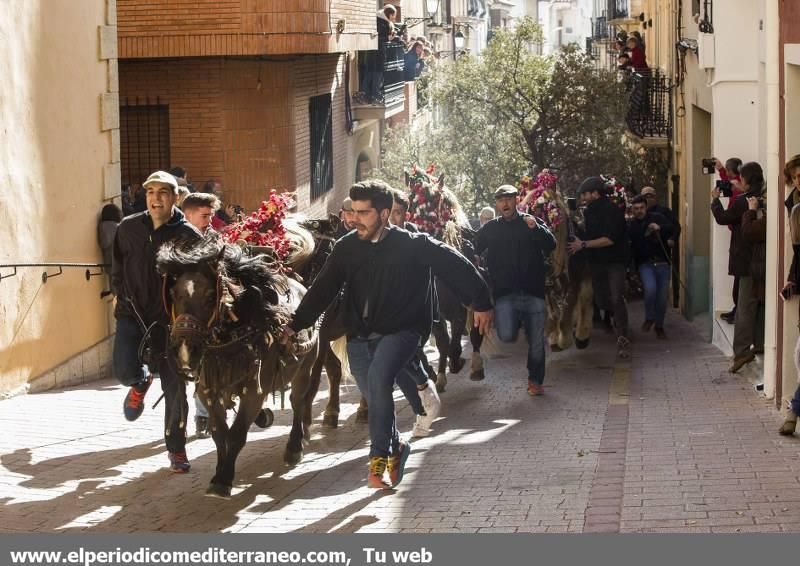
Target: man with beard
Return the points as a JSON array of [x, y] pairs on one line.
[[607, 245], [516, 245], [388, 309]]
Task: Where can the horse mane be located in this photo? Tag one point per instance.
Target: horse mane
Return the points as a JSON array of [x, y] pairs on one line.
[[302, 247], [257, 278]]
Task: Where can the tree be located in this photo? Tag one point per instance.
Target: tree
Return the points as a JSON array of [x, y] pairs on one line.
[[511, 109]]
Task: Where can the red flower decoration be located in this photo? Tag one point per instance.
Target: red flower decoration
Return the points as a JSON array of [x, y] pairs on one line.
[[264, 227]]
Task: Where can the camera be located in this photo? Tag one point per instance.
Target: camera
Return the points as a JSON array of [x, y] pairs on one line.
[[238, 209], [709, 166], [725, 188], [572, 203]]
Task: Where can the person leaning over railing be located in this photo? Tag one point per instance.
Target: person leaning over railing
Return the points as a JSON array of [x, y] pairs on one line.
[[791, 175]]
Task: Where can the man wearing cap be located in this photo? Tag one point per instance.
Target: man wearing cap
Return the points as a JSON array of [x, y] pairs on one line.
[[652, 206], [346, 216], [516, 245], [139, 309], [606, 244]]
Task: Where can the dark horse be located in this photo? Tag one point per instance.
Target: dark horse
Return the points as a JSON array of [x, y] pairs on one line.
[[227, 310]]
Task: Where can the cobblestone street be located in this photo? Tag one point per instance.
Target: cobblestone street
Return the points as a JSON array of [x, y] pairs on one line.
[[667, 442]]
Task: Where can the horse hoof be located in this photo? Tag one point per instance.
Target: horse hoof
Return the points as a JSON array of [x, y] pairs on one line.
[[477, 375], [556, 348], [219, 491], [457, 364], [331, 421], [292, 458], [265, 418], [441, 383], [362, 417], [581, 344]]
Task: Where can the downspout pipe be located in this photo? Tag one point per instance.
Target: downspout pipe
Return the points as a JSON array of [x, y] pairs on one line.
[[773, 346]]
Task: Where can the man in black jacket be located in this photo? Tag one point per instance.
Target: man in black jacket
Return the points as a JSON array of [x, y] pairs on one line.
[[516, 246], [606, 244], [141, 317], [650, 233], [388, 308]]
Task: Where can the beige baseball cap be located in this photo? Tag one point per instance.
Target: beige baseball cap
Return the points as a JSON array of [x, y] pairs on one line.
[[648, 191], [162, 177]]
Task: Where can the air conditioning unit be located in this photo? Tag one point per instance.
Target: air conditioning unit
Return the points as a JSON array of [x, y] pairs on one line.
[[705, 50]]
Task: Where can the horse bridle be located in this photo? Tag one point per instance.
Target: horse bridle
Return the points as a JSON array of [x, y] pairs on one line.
[[186, 324]]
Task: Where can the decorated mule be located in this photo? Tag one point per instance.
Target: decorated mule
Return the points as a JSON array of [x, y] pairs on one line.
[[435, 210], [227, 310], [568, 283]]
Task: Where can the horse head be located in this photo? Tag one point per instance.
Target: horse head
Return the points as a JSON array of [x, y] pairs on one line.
[[193, 292]]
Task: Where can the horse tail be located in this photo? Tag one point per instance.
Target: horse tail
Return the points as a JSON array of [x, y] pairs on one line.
[[302, 248], [339, 347]]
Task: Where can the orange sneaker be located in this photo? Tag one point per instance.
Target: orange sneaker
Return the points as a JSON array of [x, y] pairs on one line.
[[377, 469], [535, 390], [397, 463]]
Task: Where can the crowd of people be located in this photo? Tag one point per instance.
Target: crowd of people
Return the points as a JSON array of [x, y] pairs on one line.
[[631, 53]]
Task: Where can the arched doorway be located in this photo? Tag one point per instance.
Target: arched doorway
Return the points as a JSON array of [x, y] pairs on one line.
[[363, 166]]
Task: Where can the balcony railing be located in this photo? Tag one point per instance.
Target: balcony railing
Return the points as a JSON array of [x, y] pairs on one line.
[[600, 28], [387, 79], [618, 9], [650, 110], [393, 74]]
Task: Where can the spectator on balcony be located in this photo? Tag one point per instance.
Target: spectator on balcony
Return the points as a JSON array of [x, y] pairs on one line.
[[639, 39], [729, 173], [413, 62], [373, 84], [637, 56], [624, 63]]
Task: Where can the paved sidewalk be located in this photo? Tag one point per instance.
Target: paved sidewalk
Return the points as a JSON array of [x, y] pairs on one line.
[[669, 441]]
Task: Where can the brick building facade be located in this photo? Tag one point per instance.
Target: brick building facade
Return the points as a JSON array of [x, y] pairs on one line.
[[228, 90]]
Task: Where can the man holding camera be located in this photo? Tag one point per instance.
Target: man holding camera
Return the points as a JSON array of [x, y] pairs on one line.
[[730, 187], [740, 261]]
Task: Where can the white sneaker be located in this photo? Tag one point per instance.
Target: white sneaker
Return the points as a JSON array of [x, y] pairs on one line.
[[430, 401], [422, 427]]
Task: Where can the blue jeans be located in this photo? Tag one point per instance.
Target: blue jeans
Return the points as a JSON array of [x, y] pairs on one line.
[[377, 364], [128, 370], [655, 280], [513, 311]]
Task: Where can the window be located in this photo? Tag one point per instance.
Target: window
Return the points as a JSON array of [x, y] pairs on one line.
[[144, 139], [321, 123]]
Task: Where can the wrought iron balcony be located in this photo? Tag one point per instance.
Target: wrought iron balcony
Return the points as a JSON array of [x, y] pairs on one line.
[[600, 28], [650, 110], [390, 79]]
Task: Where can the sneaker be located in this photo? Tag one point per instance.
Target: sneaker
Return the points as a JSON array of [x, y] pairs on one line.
[[201, 427], [377, 469], [134, 400], [535, 390], [660, 334], [430, 401], [422, 426], [647, 325], [397, 463], [179, 463]]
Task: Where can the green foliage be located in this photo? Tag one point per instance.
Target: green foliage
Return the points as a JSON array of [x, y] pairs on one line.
[[511, 108]]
